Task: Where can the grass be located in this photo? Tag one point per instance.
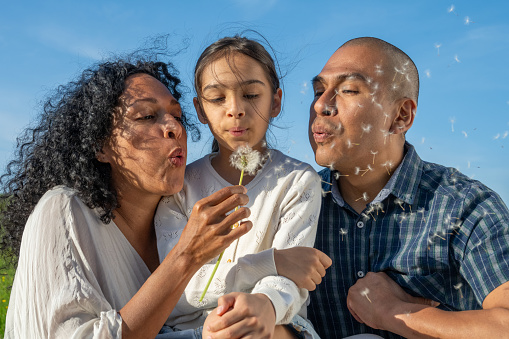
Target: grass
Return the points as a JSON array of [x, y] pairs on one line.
[[6, 277]]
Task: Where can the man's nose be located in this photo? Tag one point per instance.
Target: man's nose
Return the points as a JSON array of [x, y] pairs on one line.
[[325, 105]]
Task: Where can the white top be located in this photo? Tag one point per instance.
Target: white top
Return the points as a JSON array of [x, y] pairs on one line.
[[284, 199], [74, 273]]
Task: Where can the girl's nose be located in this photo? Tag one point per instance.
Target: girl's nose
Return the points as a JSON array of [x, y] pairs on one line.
[[235, 109]]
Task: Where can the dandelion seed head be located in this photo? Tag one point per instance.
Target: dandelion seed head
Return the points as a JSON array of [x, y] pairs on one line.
[[365, 196], [428, 73], [465, 134], [450, 9], [357, 170], [458, 286], [456, 58], [468, 21], [246, 159], [365, 292]]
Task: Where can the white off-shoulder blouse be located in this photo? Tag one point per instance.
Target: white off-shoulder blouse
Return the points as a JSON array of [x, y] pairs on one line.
[[74, 273]]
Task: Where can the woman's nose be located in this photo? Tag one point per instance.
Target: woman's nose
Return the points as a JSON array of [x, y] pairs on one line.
[[172, 128]]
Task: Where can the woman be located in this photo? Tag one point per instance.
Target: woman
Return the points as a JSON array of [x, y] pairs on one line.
[[83, 192]]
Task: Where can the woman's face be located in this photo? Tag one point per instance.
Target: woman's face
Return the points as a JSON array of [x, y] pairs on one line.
[[148, 146]]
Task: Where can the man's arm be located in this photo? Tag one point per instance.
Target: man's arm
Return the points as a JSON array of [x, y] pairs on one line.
[[379, 302]]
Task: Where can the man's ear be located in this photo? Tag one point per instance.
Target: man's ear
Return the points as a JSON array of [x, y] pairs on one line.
[[405, 116], [276, 103], [199, 110]]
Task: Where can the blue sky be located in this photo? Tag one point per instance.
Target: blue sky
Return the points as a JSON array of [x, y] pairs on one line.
[[460, 48]]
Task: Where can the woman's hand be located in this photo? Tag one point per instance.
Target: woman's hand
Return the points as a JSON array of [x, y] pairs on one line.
[[241, 315], [208, 231], [305, 266]]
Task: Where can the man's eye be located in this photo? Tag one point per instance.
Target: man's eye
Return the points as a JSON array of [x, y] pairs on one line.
[[179, 119], [349, 91], [251, 96], [318, 94]]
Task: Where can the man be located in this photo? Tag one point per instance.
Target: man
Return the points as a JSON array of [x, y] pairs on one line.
[[404, 235]]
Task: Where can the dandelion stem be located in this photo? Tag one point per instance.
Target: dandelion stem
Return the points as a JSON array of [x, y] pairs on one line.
[[211, 276], [221, 255]]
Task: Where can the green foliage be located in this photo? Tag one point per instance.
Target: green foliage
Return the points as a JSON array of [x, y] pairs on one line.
[[6, 277]]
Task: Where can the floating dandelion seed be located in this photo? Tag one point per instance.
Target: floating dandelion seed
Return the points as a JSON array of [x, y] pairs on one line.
[[247, 161], [343, 232], [366, 128], [400, 203], [350, 144], [451, 10], [359, 106], [452, 120], [367, 170], [364, 197], [324, 193], [388, 166], [496, 136], [386, 116], [386, 134], [365, 293], [378, 70], [428, 73], [339, 126], [357, 170], [337, 175], [458, 287], [304, 88], [506, 133], [422, 140], [421, 210], [437, 46], [336, 92], [374, 153], [465, 134], [468, 21], [456, 59], [468, 164]]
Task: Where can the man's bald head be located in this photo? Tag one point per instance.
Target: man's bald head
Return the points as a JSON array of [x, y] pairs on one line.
[[399, 70]]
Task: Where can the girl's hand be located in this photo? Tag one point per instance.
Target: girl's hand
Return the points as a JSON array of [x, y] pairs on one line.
[[305, 266], [241, 315], [208, 231]]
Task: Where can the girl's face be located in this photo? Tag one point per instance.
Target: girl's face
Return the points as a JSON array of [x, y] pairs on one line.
[[237, 102], [147, 149]]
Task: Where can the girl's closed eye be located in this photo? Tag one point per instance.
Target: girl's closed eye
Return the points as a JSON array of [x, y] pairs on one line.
[[251, 96]]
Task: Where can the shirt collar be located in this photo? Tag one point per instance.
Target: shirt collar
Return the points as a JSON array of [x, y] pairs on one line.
[[403, 183]]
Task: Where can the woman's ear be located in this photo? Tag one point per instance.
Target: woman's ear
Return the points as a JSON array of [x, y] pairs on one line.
[[199, 111], [405, 116], [101, 156], [276, 103]]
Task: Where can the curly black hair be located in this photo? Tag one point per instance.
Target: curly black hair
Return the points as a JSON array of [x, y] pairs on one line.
[[76, 121]]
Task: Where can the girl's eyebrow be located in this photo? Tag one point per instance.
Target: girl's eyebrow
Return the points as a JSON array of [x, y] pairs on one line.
[[243, 83]]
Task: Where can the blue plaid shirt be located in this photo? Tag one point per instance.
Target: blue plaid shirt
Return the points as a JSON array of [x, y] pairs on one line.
[[436, 232]]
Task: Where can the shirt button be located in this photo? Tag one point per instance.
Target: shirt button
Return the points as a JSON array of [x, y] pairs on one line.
[[360, 274], [360, 224]]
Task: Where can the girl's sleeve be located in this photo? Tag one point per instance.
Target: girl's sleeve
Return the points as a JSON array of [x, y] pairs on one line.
[[297, 227], [54, 295]]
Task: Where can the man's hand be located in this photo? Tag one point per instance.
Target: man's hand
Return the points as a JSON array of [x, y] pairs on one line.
[[305, 266], [376, 299], [241, 315]]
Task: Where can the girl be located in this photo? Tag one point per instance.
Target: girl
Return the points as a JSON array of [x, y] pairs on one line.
[[238, 93]]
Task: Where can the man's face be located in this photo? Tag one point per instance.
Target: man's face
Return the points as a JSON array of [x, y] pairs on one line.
[[352, 111]]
